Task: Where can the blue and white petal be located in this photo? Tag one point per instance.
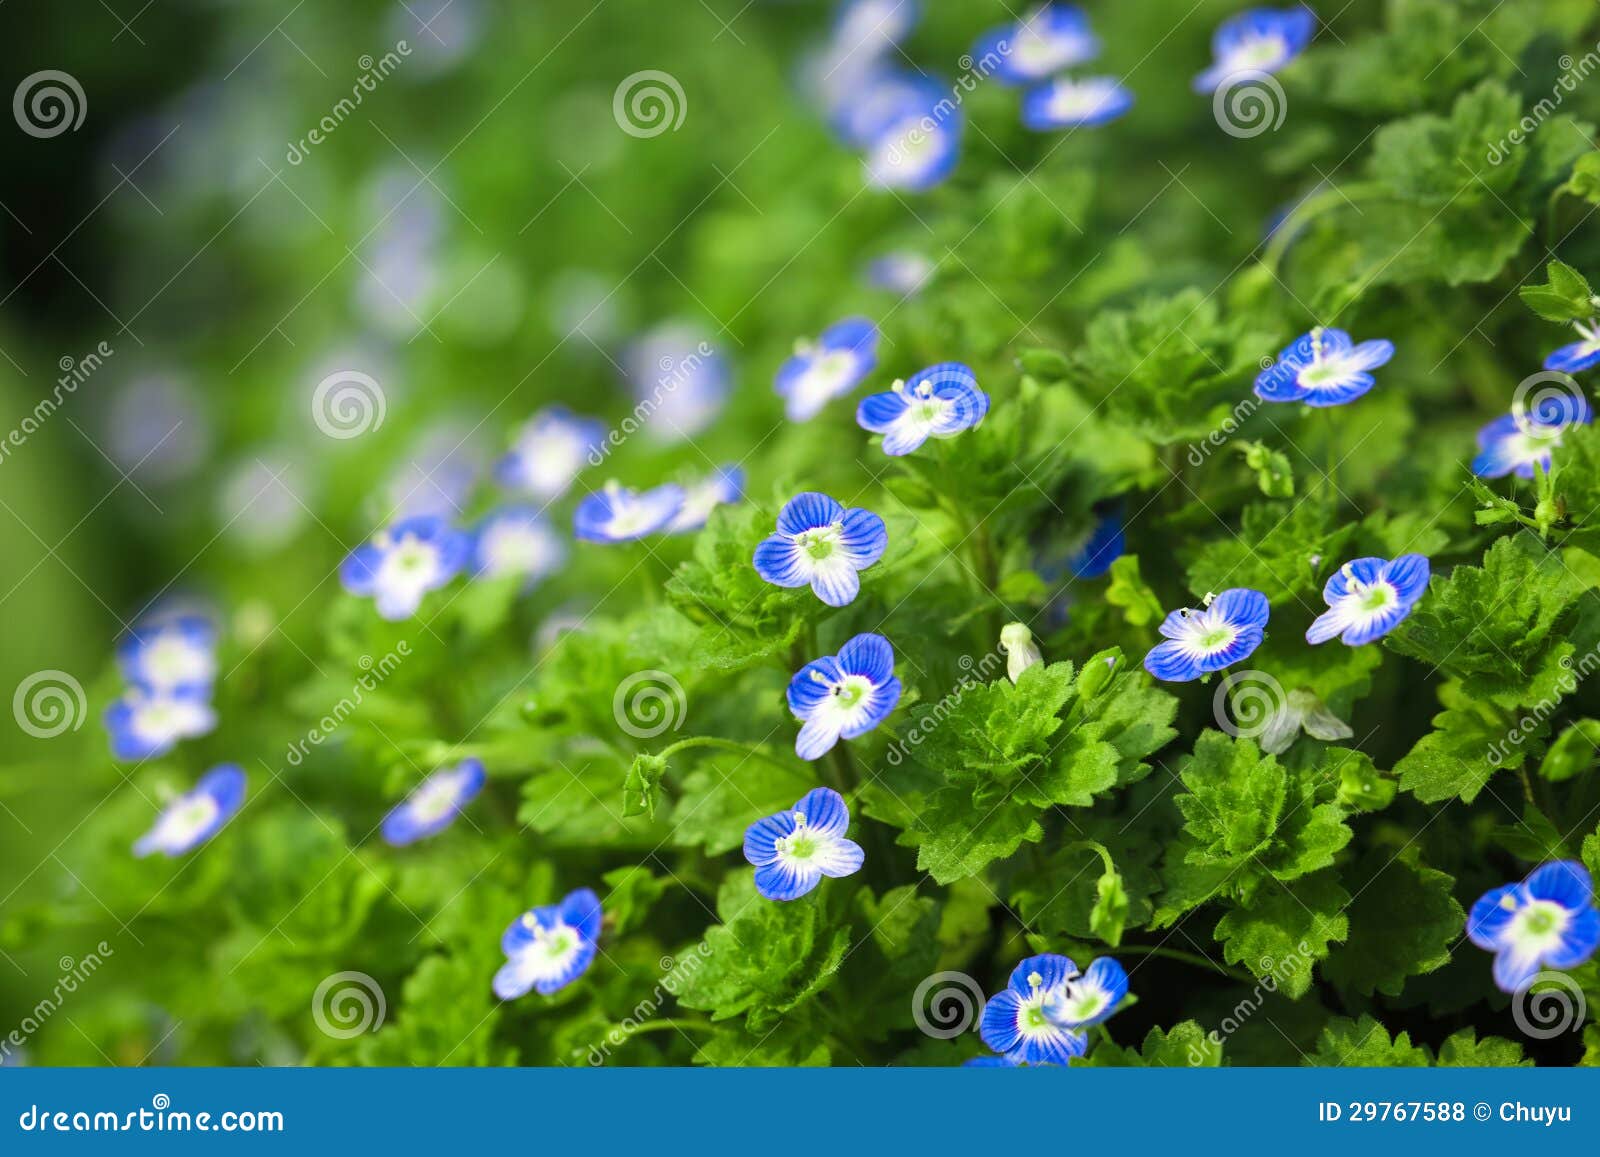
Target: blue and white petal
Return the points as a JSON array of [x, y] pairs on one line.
[[843, 696], [618, 514], [1091, 998], [836, 364], [873, 27], [1323, 368], [1018, 1022], [1580, 355], [902, 272], [1200, 641], [548, 948], [197, 815], [938, 402], [1368, 597], [1260, 40], [517, 540], [723, 486], [549, 451], [1064, 103], [403, 563], [822, 545], [1547, 921], [679, 378], [1516, 443], [1049, 39], [434, 804], [793, 850], [916, 151], [170, 655], [1106, 543], [147, 724]]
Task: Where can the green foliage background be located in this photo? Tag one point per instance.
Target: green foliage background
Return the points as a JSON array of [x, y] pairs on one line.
[[1111, 288]]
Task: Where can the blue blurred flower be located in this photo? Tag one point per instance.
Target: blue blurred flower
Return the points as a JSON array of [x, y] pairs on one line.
[[1065, 103], [616, 513], [1198, 642], [1261, 40], [549, 451], [1547, 921], [1040, 1016], [843, 696], [794, 849], [197, 815], [940, 402], [145, 724], [170, 654], [1368, 597], [516, 540], [839, 361], [901, 271], [405, 562], [1323, 368], [1049, 39], [1580, 355], [822, 545], [434, 804], [917, 149], [679, 379], [548, 948], [1519, 441], [722, 486], [873, 27], [1104, 545]]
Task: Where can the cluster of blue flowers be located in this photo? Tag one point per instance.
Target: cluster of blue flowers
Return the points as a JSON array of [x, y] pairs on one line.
[[169, 662], [909, 125], [1041, 1016]]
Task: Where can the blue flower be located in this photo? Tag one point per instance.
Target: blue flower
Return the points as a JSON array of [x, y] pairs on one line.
[[901, 271], [873, 26], [723, 485], [434, 804], [1064, 103], [145, 724], [1049, 39], [548, 948], [1547, 921], [794, 849], [940, 402], [843, 696], [618, 514], [1580, 355], [1039, 1018], [197, 815], [1261, 40], [516, 540], [170, 654], [549, 452], [1323, 368], [913, 136], [842, 357], [1368, 597], [401, 564], [1517, 442], [1103, 547], [873, 98], [679, 379], [1227, 629], [822, 545]]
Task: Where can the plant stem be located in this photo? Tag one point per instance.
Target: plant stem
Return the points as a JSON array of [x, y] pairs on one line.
[[724, 745], [1187, 958]]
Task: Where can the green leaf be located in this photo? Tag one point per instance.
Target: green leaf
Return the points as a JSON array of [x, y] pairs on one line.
[[1403, 923], [1286, 930], [1566, 295], [1365, 1043], [1467, 746], [641, 788], [1128, 590], [1185, 1046], [1464, 1050]]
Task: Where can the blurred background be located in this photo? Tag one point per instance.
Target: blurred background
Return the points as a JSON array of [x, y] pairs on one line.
[[225, 226]]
